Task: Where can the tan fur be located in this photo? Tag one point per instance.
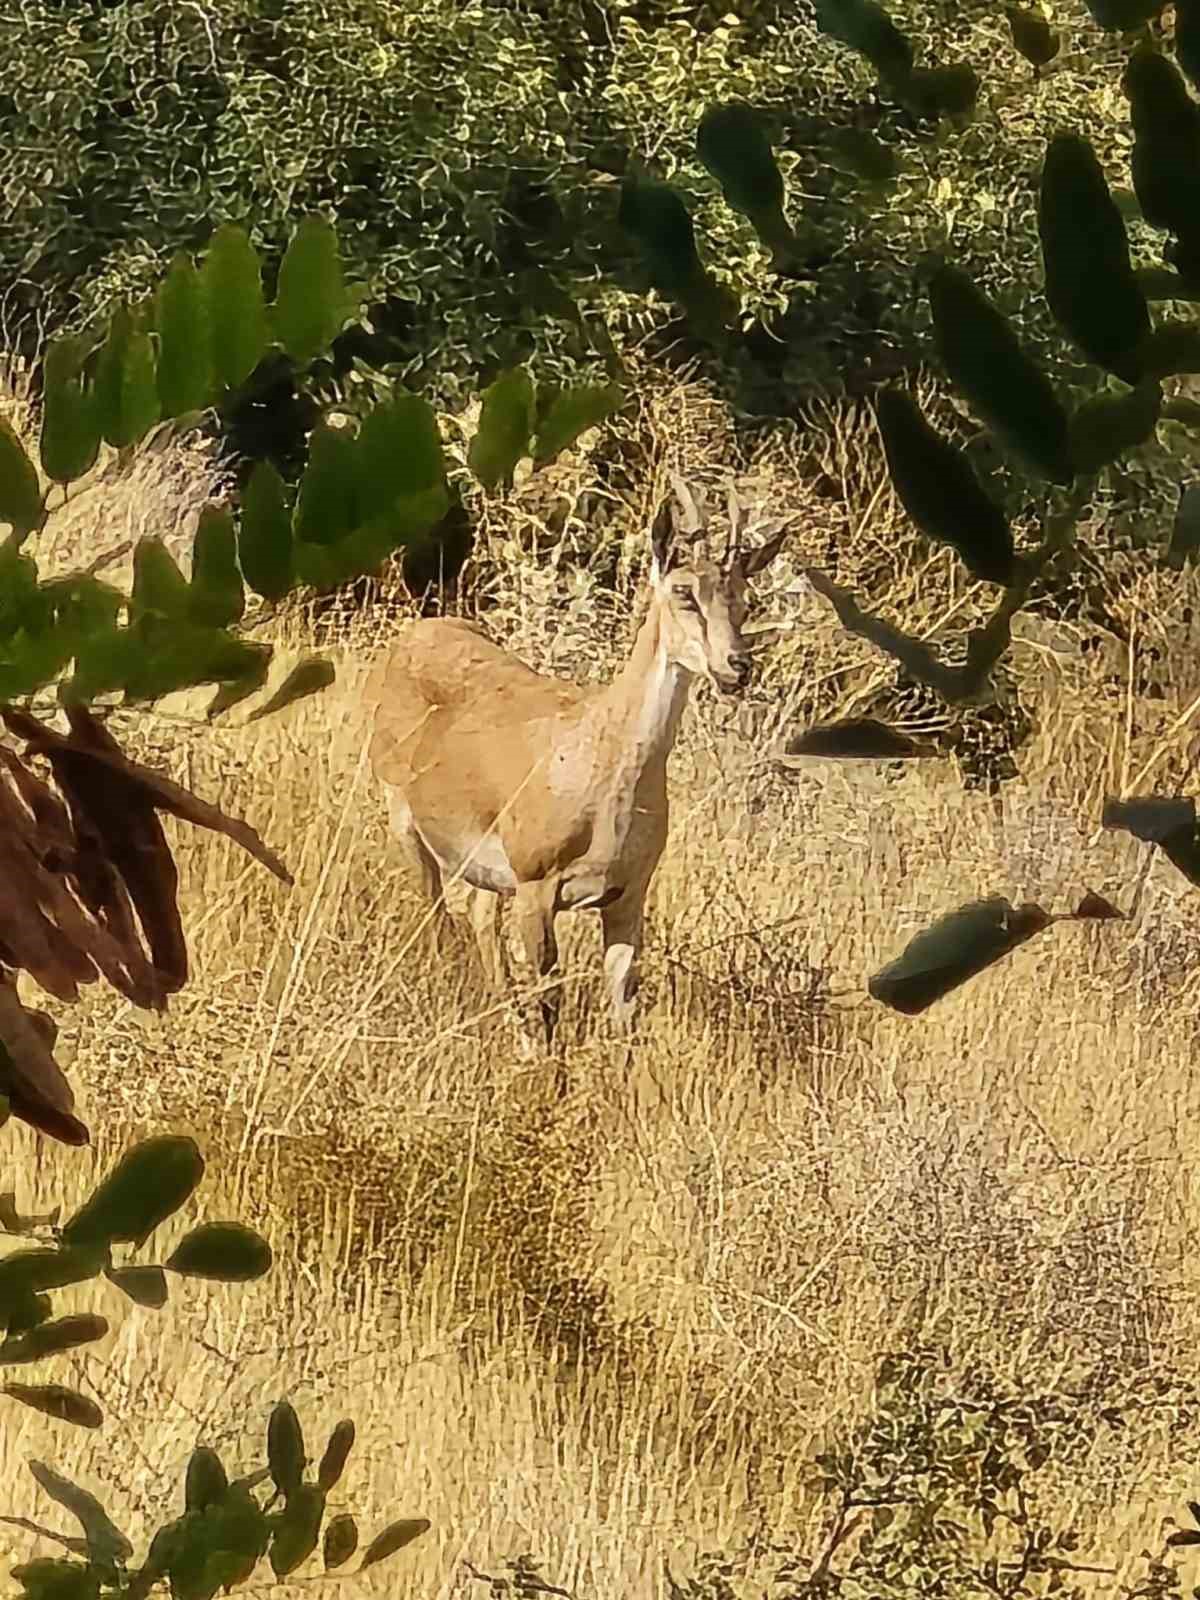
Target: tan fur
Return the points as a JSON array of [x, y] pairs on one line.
[[545, 791]]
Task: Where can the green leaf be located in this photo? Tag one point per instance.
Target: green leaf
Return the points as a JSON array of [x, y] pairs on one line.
[[70, 439], [232, 290], [957, 947], [936, 485], [1091, 286], [299, 1528], [341, 1541], [21, 604], [206, 1479], [160, 591], [311, 302], [1107, 426], [126, 385], [53, 1400], [53, 1338], [1032, 35], [21, 504], [1185, 535], [285, 1447], [571, 413], [106, 1544], [28, 661], [393, 1538], [185, 339], [145, 1286], [307, 677], [369, 546], [148, 1184], [82, 605], [178, 656], [505, 428], [1006, 388], [104, 663], [216, 598], [224, 1251], [327, 504], [337, 1452], [265, 535], [398, 455]]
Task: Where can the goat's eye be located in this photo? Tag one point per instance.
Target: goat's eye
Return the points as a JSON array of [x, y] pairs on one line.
[[686, 598]]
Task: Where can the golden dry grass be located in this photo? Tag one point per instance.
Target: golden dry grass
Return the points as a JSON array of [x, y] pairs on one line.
[[611, 1332]]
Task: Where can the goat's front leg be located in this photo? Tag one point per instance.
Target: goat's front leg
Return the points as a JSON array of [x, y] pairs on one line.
[[622, 928], [535, 908]]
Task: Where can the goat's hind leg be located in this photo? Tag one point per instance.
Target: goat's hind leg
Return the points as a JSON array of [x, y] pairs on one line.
[[423, 864]]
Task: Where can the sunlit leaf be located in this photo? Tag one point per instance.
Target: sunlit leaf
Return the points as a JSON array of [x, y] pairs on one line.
[[185, 339], [505, 427], [311, 302], [216, 597], [21, 505], [265, 534], [232, 289], [571, 413], [125, 392], [70, 439]]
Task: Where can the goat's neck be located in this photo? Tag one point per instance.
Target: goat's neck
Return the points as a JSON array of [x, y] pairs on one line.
[[645, 700], [640, 713]]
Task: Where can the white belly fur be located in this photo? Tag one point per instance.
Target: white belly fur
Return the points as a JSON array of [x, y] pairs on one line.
[[482, 862]]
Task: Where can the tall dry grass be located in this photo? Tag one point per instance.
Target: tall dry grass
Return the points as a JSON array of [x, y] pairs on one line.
[[612, 1331]]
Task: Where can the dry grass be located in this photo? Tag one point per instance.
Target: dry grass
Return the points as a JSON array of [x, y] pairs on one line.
[[611, 1332]]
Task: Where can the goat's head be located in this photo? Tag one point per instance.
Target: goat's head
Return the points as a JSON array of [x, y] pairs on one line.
[[703, 601]]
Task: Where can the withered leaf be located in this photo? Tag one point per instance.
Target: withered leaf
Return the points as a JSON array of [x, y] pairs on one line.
[[30, 1078], [116, 801], [80, 870]]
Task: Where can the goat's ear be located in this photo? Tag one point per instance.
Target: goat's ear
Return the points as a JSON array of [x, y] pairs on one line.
[[753, 561], [662, 541]]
